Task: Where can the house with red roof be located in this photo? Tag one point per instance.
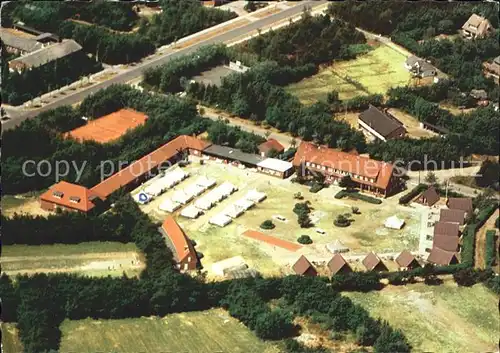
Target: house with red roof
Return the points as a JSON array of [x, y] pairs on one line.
[[68, 197], [181, 246], [270, 145], [368, 174]]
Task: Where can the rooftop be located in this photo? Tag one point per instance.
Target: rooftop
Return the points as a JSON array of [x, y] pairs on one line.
[[47, 54], [337, 263], [233, 154], [446, 243], [380, 122], [460, 203], [371, 261], [405, 259], [22, 42], [70, 195], [275, 164], [109, 127], [302, 265], [182, 246], [452, 216], [441, 257], [446, 229], [270, 145], [431, 195]]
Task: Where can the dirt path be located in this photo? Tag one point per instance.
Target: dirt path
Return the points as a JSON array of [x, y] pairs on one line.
[[272, 240], [481, 240], [93, 256]]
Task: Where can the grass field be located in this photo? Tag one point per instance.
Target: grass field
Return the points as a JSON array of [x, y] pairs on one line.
[[365, 234], [10, 339], [92, 259], [444, 318], [22, 204], [376, 72], [196, 332]]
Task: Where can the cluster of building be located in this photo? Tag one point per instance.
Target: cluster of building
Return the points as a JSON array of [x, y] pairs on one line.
[[35, 48], [372, 263]]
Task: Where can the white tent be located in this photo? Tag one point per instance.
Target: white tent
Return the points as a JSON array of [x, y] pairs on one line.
[[244, 204], [233, 211], [204, 203], [226, 188], [336, 247], [255, 196], [169, 206], [194, 190], [190, 212], [154, 189], [181, 197], [215, 196], [205, 182], [394, 222], [222, 267], [220, 220]]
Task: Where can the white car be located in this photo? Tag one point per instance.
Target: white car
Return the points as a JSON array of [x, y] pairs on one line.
[[320, 231]]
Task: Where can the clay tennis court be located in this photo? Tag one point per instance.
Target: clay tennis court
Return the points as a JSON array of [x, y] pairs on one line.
[[109, 127], [272, 240]]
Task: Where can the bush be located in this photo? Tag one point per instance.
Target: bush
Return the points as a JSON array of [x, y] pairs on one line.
[[305, 239], [357, 196], [316, 187], [403, 200], [267, 224], [490, 255], [342, 221]]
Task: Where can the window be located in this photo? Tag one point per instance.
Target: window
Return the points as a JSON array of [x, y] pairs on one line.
[[58, 194], [74, 199]]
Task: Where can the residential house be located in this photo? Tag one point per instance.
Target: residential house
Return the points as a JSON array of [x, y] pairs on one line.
[[304, 268], [492, 69], [441, 257], [368, 174], [373, 263], [68, 197], [429, 197], [460, 203], [380, 125], [406, 261], [17, 43], [181, 246], [338, 265], [476, 27], [270, 145], [419, 67]]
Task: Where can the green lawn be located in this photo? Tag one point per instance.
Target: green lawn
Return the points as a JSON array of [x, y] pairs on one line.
[[196, 332], [444, 318], [376, 72], [92, 258], [10, 338]]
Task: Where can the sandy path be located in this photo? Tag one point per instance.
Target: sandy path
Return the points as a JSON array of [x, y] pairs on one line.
[[93, 256]]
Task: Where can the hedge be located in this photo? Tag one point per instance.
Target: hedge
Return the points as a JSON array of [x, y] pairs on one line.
[[403, 200], [356, 195], [316, 187], [490, 255]]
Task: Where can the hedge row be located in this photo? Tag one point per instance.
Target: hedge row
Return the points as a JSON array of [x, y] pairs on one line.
[[490, 255], [403, 200], [356, 195]]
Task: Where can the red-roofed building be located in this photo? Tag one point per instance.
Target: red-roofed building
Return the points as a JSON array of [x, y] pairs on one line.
[[369, 174], [269, 145], [181, 246], [68, 197]]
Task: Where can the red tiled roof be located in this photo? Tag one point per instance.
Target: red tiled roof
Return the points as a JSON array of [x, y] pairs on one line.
[[337, 263], [447, 229], [147, 163], [302, 266], [72, 196], [271, 144], [347, 162], [109, 127], [441, 257], [182, 245]]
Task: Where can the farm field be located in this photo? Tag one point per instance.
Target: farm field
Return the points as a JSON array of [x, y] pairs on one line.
[[444, 318], [376, 72], [91, 259], [194, 332], [10, 338], [366, 233]]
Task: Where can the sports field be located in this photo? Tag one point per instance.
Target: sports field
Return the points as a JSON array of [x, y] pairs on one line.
[[374, 72], [195, 332], [90, 259], [444, 318], [365, 234]]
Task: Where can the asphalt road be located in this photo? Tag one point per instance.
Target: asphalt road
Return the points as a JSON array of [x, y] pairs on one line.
[[134, 72]]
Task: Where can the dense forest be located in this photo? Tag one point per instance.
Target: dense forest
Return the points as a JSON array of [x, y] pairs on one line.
[[18, 88]]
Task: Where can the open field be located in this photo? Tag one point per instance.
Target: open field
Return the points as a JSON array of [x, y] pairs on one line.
[[21, 204], [366, 233], [376, 72], [213, 76], [91, 259], [444, 318], [10, 338], [194, 332]]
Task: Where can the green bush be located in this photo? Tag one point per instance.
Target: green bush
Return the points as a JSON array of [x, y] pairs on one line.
[[342, 221], [490, 255], [497, 223], [305, 239], [316, 187], [403, 200], [267, 224], [357, 196]]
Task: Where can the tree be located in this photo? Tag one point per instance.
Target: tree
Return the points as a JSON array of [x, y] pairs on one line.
[[431, 178], [391, 341], [274, 325], [355, 210], [342, 221], [304, 239], [267, 224], [304, 220]]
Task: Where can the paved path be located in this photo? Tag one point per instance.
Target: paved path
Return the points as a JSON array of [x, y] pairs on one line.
[[161, 57]]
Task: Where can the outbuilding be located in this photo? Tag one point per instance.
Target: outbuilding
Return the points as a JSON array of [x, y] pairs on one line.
[[303, 267], [373, 263], [338, 265], [406, 261], [276, 167]]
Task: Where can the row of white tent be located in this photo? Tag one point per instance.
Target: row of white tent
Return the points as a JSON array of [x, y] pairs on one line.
[[182, 197], [215, 196], [238, 208], [168, 181]]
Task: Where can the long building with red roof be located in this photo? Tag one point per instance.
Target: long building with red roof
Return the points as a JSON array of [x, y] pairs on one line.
[[181, 246], [369, 174]]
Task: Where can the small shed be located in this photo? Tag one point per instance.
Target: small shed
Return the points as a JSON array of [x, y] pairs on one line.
[[394, 222], [337, 247], [373, 263], [442, 257], [338, 265], [303, 267], [429, 197], [407, 261]]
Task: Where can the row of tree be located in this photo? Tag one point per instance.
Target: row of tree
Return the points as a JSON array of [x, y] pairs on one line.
[[221, 133]]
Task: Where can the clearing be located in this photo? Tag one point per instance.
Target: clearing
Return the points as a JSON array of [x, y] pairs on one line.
[[213, 76], [97, 259], [22, 204], [366, 233], [374, 72], [201, 332], [444, 318], [10, 338]]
